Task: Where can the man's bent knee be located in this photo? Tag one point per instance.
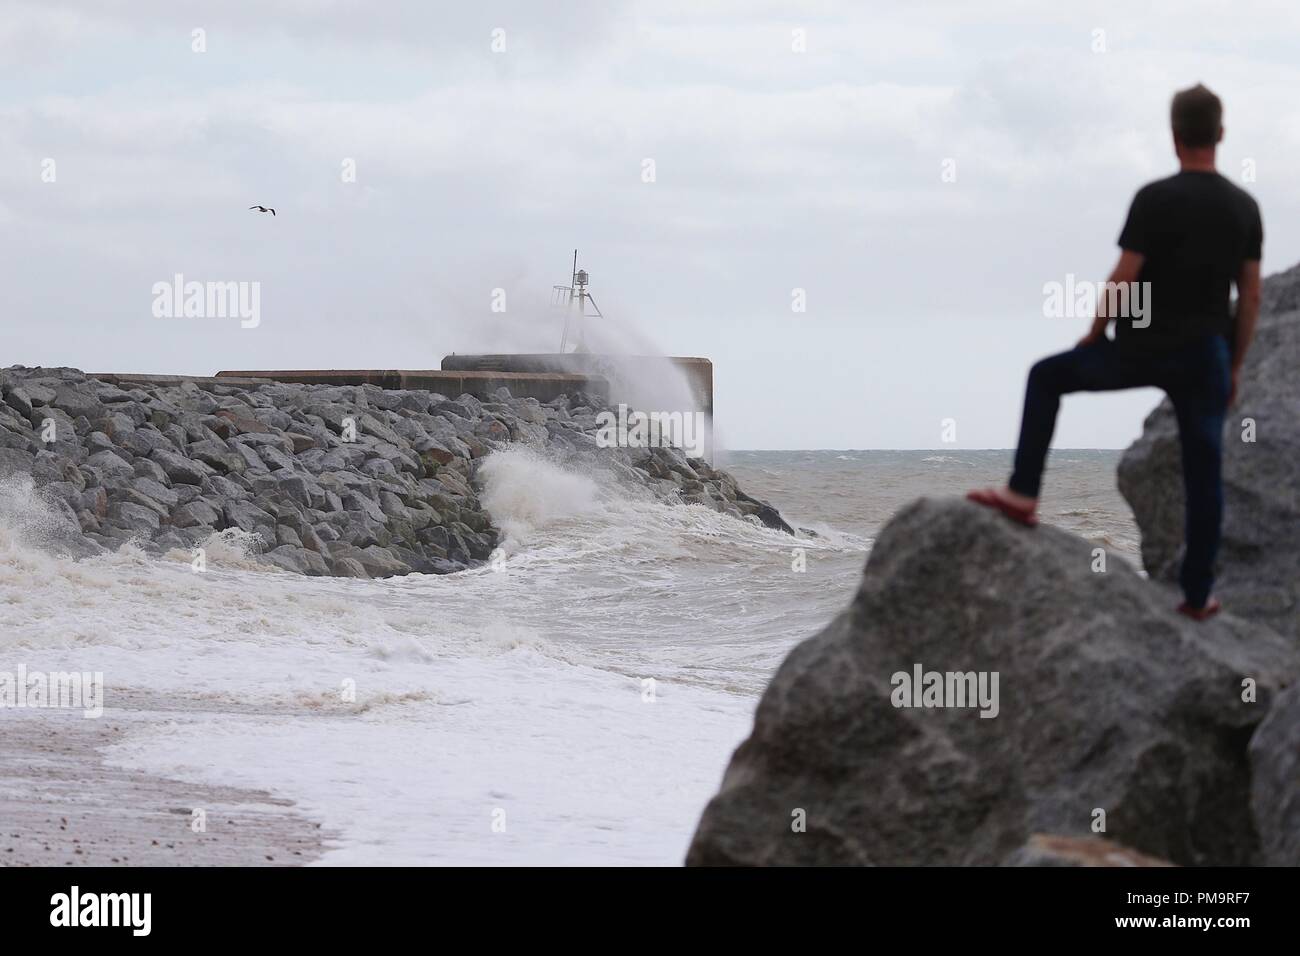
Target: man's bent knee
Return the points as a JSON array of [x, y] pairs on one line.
[[1045, 375]]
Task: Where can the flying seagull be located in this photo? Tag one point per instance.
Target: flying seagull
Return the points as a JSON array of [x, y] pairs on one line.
[[263, 209]]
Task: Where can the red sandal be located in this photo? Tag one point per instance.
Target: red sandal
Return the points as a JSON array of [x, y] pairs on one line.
[[1212, 607], [989, 499]]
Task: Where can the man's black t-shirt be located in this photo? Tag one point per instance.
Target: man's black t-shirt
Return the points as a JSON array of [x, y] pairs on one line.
[[1195, 229]]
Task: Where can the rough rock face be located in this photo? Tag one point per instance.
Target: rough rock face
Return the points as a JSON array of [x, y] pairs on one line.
[[1259, 561], [354, 481], [1275, 766], [1107, 701]]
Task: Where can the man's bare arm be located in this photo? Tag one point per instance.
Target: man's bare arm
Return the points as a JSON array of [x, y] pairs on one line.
[[1247, 314], [1126, 270]]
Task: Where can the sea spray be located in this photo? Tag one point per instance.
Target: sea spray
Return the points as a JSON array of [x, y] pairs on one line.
[[32, 518], [524, 492]]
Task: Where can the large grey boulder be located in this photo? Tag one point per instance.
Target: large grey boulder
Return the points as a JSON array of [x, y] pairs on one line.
[[77, 398], [1259, 563], [179, 469], [297, 560], [133, 517], [1108, 702], [217, 455], [246, 516], [195, 514], [1275, 770], [14, 461]]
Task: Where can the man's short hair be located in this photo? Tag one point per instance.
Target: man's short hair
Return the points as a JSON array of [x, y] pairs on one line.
[[1196, 116]]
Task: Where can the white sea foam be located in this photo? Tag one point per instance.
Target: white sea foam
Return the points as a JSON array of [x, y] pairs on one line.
[[525, 493]]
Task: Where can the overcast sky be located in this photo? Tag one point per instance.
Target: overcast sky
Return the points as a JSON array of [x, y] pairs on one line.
[[477, 169]]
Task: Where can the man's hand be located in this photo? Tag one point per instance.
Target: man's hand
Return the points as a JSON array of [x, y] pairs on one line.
[[1096, 333], [1126, 271], [1247, 313]]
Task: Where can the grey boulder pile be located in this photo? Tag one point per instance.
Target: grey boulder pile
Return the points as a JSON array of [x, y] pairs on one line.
[[353, 481], [1275, 781]]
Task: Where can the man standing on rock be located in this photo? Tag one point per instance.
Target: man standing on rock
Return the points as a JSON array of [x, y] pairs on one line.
[[1187, 239]]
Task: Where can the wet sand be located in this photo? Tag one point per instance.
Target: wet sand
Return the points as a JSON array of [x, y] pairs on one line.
[[62, 804]]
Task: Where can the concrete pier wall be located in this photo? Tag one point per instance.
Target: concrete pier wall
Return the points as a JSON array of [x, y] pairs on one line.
[[645, 382], [543, 386]]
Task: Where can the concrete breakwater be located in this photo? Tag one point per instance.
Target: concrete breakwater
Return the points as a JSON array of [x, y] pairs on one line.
[[543, 386], [348, 480]]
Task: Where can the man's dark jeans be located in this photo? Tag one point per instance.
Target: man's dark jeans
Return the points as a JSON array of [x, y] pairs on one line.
[[1196, 378]]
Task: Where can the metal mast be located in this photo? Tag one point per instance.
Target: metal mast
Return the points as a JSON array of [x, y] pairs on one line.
[[574, 298]]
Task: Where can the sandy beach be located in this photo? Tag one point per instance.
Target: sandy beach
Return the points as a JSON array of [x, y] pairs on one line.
[[64, 804]]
